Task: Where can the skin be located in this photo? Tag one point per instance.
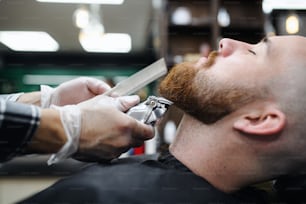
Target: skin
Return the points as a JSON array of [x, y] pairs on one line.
[[250, 141], [50, 135]]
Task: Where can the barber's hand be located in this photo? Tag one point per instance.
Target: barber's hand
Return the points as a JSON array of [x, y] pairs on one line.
[[98, 129], [106, 131], [72, 92]]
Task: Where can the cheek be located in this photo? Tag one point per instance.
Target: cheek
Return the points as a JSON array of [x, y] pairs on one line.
[[234, 70]]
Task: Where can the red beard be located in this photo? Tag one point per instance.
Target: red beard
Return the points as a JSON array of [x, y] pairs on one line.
[[203, 98], [178, 86]]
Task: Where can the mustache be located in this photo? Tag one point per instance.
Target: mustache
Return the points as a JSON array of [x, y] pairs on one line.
[[211, 59]]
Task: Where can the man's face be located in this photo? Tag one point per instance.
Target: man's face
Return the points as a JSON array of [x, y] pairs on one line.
[[230, 78]]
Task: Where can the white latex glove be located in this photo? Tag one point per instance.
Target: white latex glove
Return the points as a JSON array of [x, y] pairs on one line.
[[72, 92], [71, 121], [98, 129]]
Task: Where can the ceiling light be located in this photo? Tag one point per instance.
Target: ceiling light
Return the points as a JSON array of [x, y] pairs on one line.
[[35, 41], [269, 5], [223, 17], [84, 1], [181, 16], [292, 24], [93, 38], [81, 17], [105, 42]]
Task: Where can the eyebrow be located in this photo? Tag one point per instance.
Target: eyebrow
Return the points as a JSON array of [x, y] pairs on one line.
[[266, 40]]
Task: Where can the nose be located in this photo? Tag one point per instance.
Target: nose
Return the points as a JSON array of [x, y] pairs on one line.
[[228, 46]]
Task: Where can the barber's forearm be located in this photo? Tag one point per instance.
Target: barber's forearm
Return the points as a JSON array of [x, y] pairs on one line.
[[50, 135], [30, 98]]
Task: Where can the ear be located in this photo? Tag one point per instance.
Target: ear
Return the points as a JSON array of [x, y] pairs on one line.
[[267, 122]]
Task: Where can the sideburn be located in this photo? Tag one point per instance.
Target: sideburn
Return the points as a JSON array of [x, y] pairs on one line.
[[214, 101]]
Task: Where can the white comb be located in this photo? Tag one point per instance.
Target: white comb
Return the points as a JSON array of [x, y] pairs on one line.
[[140, 79]]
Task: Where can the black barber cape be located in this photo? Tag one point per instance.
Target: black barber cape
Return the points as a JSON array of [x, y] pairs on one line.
[[139, 180]]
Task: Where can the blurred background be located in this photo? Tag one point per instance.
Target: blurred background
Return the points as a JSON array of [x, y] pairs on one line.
[[52, 41]]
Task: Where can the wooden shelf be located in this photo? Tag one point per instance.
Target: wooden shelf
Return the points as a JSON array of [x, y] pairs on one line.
[[188, 29], [250, 35], [246, 24]]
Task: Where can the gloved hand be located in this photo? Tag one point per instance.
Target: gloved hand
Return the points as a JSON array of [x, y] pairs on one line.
[[98, 129], [72, 92]]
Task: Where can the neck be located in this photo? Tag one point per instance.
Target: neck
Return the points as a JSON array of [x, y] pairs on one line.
[[206, 152]]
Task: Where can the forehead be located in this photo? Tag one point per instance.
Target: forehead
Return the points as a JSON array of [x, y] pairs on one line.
[[286, 51], [288, 44]]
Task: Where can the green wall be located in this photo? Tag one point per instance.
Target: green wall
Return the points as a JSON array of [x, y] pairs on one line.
[[25, 79]]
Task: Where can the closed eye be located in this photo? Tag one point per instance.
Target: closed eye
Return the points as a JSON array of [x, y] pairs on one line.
[[251, 51]]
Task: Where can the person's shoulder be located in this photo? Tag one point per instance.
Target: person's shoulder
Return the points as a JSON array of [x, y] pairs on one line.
[[137, 179], [133, 169], [133, 163], [133, 159]]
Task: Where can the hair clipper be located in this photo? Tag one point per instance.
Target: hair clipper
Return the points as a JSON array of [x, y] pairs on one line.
[[151, 110]]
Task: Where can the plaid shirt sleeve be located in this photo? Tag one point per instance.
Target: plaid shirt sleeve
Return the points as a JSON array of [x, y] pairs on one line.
[[18, 123]]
